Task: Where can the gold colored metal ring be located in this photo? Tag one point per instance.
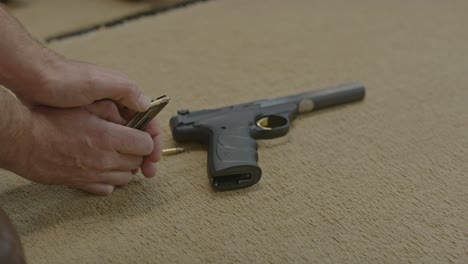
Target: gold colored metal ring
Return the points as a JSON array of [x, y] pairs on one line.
[[263, 123]]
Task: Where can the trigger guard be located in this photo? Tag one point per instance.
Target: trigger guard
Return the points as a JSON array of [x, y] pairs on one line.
[[278, 125]]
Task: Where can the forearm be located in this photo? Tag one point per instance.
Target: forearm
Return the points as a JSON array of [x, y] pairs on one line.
[[23, 60], [14, 125]]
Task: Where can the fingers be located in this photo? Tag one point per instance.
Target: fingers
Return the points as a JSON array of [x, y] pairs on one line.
[[126, 162], [154, 127], [131, 141], [108, 182], [106, 110], [107, 84], [148, 169], [155, 156], [98, 188], [116, 178]]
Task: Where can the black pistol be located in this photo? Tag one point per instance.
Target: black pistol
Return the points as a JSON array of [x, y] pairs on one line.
[[231, 131]]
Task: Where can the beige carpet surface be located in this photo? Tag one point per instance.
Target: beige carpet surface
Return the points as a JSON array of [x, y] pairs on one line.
[[51, 18], [382, 181]]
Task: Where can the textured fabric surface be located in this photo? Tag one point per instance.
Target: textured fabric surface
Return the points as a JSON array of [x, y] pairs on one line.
[[381, 181], [49, 18]]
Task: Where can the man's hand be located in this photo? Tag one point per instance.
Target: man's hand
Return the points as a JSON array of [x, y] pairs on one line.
[[109, 111], [102, 157], [67, 83]]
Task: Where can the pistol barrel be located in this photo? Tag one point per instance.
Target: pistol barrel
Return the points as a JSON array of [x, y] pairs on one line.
[[333, 96], [318, 99]]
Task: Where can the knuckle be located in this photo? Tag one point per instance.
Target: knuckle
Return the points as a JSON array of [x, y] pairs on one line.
[[132, 89], [127, 179], [124, 76], [102, 143], [46, 79], [46, 84], [90, 176], [110, 110], [90, 79], [104, 139], [50, 74], [138, 161], [141, 143], [154, 127], [90, 83], [94, 164], [104, 163]]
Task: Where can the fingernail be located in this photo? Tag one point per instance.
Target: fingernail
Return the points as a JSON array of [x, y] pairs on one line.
[[144, 102], [108, 190]]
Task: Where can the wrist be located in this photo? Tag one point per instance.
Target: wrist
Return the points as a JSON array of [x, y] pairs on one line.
[[24, 61], [30, 80]]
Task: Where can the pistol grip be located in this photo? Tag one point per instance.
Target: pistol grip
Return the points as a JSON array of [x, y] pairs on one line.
[[232, 158]]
